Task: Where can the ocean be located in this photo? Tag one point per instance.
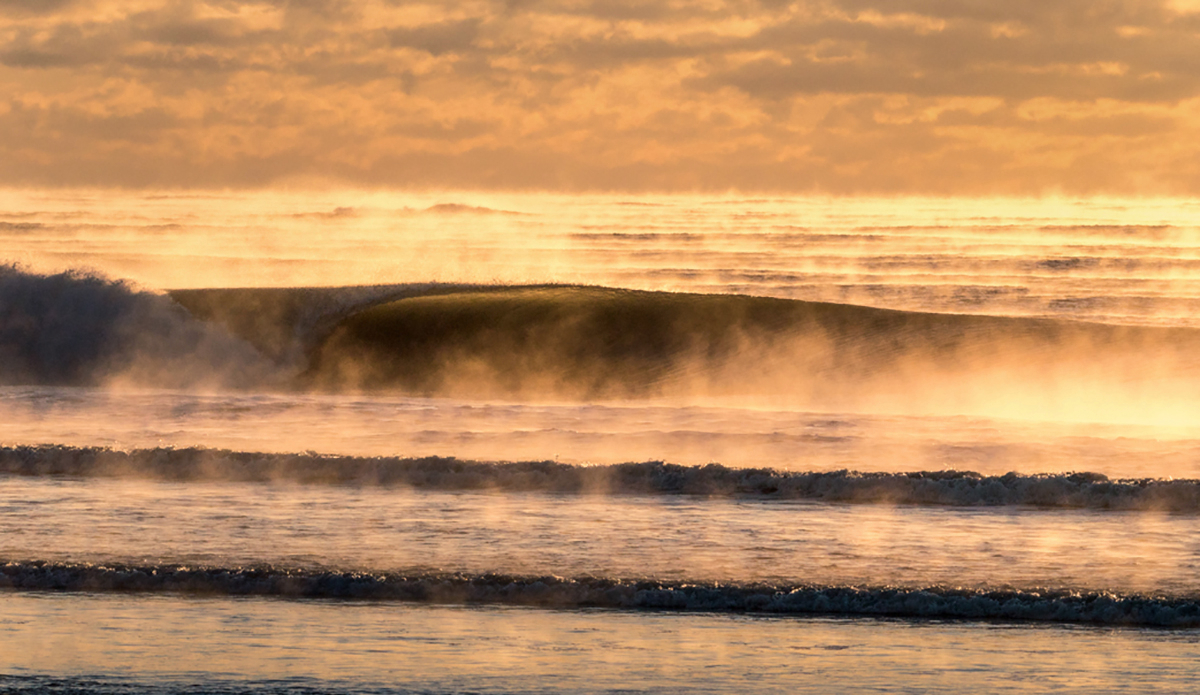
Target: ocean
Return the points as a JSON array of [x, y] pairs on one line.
[[347, 441]]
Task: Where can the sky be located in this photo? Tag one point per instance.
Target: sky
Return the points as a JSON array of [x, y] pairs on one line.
[[909, 97]]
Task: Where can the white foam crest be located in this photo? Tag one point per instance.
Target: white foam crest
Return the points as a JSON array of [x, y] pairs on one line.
[[80, 328]]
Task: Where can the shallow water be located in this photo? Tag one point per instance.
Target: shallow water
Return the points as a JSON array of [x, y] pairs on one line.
[[671, 538], [167, 644], [595, 433]]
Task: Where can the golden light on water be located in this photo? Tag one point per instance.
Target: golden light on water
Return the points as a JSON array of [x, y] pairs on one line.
[[340, 236], [1124, 261]]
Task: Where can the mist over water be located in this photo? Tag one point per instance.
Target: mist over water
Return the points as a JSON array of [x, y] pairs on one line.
[[82, 329], [975, 385], [975, 410], [1126, 261], [1121, 262]]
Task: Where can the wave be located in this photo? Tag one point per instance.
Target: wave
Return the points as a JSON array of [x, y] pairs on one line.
[[574, 342], [930, 488], [596, 342], [78, 328], [12, 684], [288, 323], [1054, 605], [451, 208]]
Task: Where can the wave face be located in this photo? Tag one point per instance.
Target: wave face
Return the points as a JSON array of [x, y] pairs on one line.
[[573, 342], [579, 342], [612, 593], [943, 488], [287, 324], [75, 328]]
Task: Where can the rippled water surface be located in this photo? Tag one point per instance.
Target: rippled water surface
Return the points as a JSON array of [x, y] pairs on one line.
[[595, 433], [1116, 260], [676, 538], [180, 645]]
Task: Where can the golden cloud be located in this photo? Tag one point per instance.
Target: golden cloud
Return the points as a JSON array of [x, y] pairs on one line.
[[905, 96]]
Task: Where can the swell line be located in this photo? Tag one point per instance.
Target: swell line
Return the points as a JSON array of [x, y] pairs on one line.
[[1054, 605], [1078, 490]]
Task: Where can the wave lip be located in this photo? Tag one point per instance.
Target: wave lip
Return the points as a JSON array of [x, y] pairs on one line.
[[930, 488], [1058, 605]]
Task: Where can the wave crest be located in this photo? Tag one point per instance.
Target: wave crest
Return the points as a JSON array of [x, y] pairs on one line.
[[1054, 605], [81, 329], [944, 488]]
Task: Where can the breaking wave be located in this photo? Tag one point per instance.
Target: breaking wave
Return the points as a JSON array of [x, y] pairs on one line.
[[603, 342], [1063, 606], [572, 342], [77, 328], [579, 342], [932, 488]]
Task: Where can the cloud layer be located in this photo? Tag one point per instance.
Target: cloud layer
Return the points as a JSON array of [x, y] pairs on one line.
[[905, 96]]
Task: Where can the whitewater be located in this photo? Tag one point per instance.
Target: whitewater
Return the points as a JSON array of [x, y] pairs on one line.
[[445, 442]]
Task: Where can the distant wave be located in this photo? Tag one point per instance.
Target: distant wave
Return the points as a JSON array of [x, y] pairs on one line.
[[78, 328], [451, 208], [944, 488], [1062, 606]]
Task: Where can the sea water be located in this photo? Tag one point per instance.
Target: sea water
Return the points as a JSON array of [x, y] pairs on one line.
[[710, 589]]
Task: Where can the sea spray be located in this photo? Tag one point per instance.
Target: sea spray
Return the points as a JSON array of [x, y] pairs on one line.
[[81, 329]]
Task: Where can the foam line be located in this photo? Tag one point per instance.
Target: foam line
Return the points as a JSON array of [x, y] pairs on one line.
[[938, 488], [1059, 606]]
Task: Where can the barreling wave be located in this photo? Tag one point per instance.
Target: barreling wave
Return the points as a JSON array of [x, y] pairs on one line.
[[1054, 605], [574, 342], [81, 329], [578, 342], [288, 323], [931, 488]]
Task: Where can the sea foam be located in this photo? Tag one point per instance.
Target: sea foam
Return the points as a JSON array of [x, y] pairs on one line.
[[81, 329]]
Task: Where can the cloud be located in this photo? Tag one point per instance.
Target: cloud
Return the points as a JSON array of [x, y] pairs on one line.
[[29, 7], [905, 96], [438, 38]]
